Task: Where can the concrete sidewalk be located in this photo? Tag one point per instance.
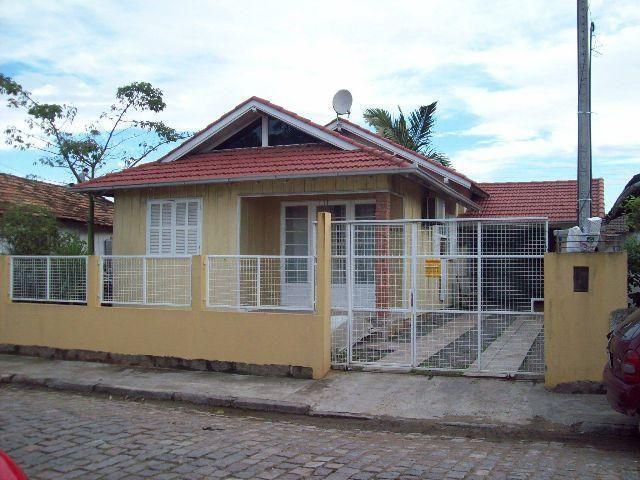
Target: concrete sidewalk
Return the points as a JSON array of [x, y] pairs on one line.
[[421, 402]]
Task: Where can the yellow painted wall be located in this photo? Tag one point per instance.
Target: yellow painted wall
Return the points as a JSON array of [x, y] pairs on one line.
[[576, 323], [259, 216], [274, 338], [412, 195], [260, 226], [220, 208]]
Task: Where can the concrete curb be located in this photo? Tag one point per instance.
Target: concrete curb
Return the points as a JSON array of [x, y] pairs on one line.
[[207, 399], [294, 408], [277, 406]]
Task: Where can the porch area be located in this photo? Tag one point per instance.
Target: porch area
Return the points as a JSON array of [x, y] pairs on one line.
[[276, 251]]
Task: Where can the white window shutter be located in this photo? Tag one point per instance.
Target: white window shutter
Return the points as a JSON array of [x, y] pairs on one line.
[[174, 227], [154, 229], [181, 223], [193, 218], [193, 214], [166, 237]]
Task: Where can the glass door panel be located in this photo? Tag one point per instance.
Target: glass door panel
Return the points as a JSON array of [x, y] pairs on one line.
[[295, 284], [364, 244]]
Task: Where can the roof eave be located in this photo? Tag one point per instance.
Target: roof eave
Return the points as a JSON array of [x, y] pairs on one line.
[[438, 185], [356, 130], [108, 189]]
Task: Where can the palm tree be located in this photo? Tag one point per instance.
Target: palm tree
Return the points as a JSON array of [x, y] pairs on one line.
[[415, 134]]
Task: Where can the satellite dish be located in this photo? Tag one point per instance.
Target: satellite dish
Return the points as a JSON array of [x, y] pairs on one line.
[[342, 101]]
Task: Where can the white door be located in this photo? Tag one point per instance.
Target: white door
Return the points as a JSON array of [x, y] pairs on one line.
[[296, 240], [296, 278], [364, 244]]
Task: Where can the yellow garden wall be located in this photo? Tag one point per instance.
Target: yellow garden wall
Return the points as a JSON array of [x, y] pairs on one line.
[[576, 323], [273, 338]]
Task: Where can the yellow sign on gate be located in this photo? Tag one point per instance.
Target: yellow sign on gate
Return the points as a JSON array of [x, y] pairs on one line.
[[432, 267]]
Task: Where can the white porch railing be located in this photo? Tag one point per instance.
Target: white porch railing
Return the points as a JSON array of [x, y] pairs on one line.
[[264, 282], [145, 280], [48, 279]]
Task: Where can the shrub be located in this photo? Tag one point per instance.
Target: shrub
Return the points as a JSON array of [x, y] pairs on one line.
[[632, 246], [632, 209], [29, 230], [69, 243]]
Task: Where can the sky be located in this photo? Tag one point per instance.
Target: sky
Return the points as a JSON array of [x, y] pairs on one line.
[[504, 73]]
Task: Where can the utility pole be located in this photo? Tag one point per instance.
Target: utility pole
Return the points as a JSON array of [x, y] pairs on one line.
[[584, 114]]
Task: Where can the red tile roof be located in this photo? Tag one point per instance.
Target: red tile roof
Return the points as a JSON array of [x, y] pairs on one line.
[[65, 204], [248, 163], [557, 200]]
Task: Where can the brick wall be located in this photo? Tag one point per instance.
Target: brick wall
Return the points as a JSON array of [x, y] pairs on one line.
[[382, 267]]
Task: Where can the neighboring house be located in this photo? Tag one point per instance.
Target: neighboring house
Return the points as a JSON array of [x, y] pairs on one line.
[[616, 223], [69, 208], [556, 200], [616, 220]]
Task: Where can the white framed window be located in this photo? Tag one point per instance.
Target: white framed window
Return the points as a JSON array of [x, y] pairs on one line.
[[434, 208], [174, 227]]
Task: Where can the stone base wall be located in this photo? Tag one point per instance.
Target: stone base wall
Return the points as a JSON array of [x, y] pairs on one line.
[[151, 361]]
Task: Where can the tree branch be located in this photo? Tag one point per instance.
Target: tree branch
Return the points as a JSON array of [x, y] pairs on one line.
[[145, 154]]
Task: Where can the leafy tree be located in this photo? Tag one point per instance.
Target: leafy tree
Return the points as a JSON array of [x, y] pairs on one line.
[[414, 132], [632, 209], [632, 246], [114, 136], [29, 230], [69, 243]]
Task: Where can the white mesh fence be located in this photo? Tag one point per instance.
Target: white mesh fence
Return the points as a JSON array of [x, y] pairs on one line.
[[453, 294], [146, 280], [49, 279], [261, 282]]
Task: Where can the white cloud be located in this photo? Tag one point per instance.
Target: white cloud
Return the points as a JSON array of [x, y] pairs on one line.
[[511, 65]]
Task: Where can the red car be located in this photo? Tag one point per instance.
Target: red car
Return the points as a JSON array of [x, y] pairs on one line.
[[622, 372], [9, 470]]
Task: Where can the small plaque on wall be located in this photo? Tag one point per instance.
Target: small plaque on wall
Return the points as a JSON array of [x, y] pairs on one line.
[[580, 279]]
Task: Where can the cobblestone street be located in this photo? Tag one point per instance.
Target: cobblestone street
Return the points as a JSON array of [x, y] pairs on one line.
[[59, 435]]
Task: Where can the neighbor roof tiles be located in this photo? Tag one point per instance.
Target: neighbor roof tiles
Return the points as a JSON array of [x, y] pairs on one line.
[[556, 200], [64, 204]]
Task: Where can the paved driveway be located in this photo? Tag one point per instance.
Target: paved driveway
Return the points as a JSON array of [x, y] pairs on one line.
[[61, 435]]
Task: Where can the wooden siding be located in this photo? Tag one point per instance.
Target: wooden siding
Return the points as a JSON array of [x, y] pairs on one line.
[[412, 194], [260, 226], [220, 214], [260, 213]]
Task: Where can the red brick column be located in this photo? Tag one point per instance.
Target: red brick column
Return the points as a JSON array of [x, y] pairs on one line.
[[382, 270], [383, 206]]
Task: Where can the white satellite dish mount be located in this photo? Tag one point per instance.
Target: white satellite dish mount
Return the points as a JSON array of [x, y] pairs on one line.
[[342, 102]]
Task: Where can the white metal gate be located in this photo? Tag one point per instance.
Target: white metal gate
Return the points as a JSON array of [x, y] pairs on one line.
[[455, 294]]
